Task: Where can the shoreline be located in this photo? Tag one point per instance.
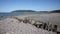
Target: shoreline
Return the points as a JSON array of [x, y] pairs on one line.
[[11, 21]]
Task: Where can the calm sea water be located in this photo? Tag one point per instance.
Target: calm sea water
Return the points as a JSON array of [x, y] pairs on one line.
[[17, 13]]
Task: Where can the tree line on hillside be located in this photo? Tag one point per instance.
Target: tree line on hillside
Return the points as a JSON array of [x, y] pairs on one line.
[[23, 11], [54, 11]]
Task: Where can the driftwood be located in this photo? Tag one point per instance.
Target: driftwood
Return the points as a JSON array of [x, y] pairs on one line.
[[39, 24]]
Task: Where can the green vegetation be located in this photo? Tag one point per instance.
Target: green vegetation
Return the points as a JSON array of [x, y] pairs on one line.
[[23, 11], [54, 11]]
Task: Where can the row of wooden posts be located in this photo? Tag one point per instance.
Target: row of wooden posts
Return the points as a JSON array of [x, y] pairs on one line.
[[46, 26]]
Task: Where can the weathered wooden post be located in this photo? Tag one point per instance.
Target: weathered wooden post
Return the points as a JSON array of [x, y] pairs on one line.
[[55, 28]]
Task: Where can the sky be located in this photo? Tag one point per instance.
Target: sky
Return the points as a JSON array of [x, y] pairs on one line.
[[37, 5]]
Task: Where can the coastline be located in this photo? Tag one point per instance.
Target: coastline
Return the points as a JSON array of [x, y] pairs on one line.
[[11, 21]]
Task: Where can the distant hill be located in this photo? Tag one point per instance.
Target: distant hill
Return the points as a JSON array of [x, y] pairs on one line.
[[43, 11], [55, 11], [23, 11], [29, 11]]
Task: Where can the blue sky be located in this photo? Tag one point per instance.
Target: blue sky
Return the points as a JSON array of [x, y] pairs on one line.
[[42, 5]]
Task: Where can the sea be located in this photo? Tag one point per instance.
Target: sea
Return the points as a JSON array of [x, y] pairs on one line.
[[17, 13]]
